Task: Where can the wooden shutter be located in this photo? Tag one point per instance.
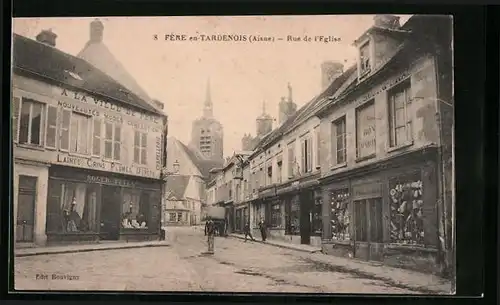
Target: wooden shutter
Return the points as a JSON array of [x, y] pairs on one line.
[[309, 154], [51, 128], [96, 136], [303, 154], [65, 130], [16, 106], [54, 209]]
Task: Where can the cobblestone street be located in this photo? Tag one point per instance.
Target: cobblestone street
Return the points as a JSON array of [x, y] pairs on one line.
[[236, 267]]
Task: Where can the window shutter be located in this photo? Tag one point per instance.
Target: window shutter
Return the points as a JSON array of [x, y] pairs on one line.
[[309, 154], [303, 153], [51, 128], [64, 133], [96, 137], [16, 105]]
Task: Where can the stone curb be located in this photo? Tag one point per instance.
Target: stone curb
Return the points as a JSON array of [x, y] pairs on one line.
[[65, 251], [278, 245]]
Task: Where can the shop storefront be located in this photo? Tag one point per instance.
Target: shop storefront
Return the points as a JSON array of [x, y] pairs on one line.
[[387, 215], [87, 205], [241, 217]]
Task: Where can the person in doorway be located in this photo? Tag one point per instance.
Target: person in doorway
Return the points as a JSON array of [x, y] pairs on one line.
[[262, 228], [248, 232], [210, 229]]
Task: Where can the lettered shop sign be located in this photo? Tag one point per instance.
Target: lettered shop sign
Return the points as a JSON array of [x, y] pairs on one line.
[[365, 137]]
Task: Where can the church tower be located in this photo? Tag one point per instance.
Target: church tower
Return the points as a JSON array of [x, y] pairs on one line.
[[286, 107], [207, 133], [264, 122]]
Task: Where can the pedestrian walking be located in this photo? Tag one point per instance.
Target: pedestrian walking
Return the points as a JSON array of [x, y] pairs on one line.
[[248, 232], [262, 228], [210, 232]]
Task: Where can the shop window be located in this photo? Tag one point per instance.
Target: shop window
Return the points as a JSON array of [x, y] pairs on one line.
[[172, 217], [51, 133], [96, 137], [31, 122], [292, 216], [339, 141], [71, 207], [134, 210], [406, 210], [276, 215], [179, 217], [112, 141], [80, 131], [140, 147], [317, 221], [400, 123], [340, 218]]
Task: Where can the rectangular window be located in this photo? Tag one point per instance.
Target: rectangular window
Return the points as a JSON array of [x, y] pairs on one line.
[[340, 215], [364, 58], [400, 123], [292, 216], [80, 132], [140, 147], [51, 133], [291, 159], [172, 216], [279, 172], [31, 122], [134, 215], [306, 155], [339, 141], [318, 147], [179, 217], [96, 137], [65, 125], [365, 130], [16, 105], [276, 215], [112, 141]]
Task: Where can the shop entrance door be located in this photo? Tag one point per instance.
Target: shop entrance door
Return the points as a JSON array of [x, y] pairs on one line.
[[306, 207], [368, 229], [26, 199], [110, 213]]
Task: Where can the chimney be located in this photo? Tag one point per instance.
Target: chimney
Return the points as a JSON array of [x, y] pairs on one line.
[[387, 21], [47, 37], [330, 70], [159, 104], [96, 31]]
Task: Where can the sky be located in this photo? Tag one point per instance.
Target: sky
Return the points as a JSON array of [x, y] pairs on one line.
[[243, 75]]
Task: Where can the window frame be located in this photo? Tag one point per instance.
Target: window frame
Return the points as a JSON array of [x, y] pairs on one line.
[[335, 150], [100, 138], [369, 45], [404, 88], [16, 100], [113, 141], [43, 106], [291, 158], [143, 150], [89, 133], [55, 127]]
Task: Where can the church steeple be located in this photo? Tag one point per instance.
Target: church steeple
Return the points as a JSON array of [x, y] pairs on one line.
[[208, 107]]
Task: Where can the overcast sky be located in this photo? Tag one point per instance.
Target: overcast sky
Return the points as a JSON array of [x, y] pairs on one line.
[[242, 74]]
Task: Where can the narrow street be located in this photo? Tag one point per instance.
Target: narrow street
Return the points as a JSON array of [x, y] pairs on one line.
[[236, 267]]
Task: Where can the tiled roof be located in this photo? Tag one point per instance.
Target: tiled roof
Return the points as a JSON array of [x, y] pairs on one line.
[[203, 165], [176, 186], [51, 64]]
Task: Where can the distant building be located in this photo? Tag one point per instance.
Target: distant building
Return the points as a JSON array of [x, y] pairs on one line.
[[286, 107], [207, 133]]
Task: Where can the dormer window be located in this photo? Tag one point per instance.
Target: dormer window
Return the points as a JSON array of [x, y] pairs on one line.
[[364, 58]]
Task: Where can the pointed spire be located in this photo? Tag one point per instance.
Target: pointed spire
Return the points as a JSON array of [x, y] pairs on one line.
[[263, 107], [208, 108]]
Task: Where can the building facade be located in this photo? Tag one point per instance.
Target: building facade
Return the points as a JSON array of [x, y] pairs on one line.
[[76, 175], [381, 169]]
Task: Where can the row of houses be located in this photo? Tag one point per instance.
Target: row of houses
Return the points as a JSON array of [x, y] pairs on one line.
[[364, 168], [88, 148]]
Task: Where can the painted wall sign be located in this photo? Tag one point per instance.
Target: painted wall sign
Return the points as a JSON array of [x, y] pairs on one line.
[[110, 181], [97, 164], [158, 149], [365, 130]]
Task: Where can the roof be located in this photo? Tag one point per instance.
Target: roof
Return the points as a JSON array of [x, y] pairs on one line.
[[204, 165], [176, 186], [43, 61]]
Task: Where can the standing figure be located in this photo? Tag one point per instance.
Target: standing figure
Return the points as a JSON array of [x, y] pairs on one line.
[[210, 231], [262, 228], [247, 232]]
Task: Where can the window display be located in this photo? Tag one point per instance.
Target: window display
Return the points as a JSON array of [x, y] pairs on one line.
[[340, 218], [317, 222], [71, 208], [293, 217], [276, 215], [406, 210], [133, 214]]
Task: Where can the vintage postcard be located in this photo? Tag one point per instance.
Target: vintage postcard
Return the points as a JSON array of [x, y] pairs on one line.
[[234, 154]]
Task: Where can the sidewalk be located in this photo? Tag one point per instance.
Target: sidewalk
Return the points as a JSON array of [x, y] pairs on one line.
[[397, 277], [302, 248], [62, 249]]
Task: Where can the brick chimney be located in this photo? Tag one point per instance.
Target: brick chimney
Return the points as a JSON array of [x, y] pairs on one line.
[[47, 37], [96, 31], [387, 21], [330, 70]]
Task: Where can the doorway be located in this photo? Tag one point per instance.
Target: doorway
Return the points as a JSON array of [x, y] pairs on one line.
[[306, 209], [110, 213], [26, 200], [368, 229]]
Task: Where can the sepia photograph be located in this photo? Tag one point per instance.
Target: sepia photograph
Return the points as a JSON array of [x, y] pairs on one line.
[[240, 154]]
